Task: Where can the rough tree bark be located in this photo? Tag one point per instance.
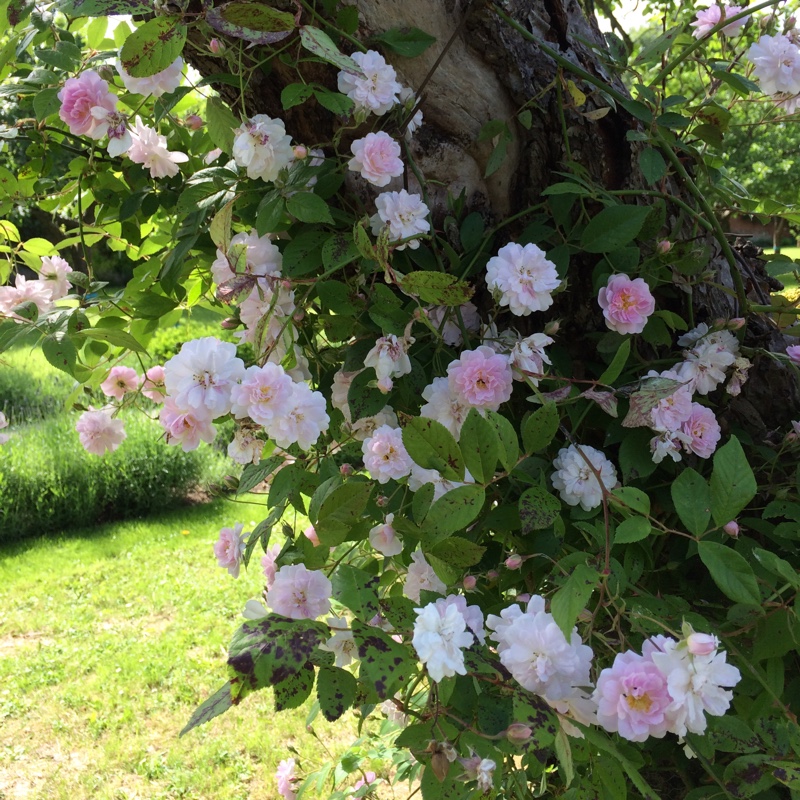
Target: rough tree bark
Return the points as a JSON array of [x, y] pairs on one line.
[[490, 71]]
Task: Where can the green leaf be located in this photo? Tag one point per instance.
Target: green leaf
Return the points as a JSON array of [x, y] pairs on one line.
[[692, 499], [479, 446], [509, 444], [217, 704], [59, 350], [338, 250], [113, 336], [256, 23], [45, 103], [8, 182], [572, 597], [432, 446], [220, 123], [407, 42], [452, 512], [384, 663], [321, 45], [631, 499], [633, 529], [613, 228], [652, 164], [335, 102], [437, 288], [732, 574], [538, 509], [459, 552], [733, 484], [152, 47], [540, 428], [303, 254], [266, 651], [777, 566], [614, 369], [104, 8], [309, 207], [747, 775], [295, 93], [364, 400], [730, 735], [341, 511], [741, 85], [149, 305], [336, 691], [253, 474], [356, 590]]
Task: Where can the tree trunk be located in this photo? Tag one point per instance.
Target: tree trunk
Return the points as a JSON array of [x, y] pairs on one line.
[[482, 69]]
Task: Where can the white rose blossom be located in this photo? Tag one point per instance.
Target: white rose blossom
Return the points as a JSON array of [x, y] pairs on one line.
[[377, 89], [262, 146], [576, 482]]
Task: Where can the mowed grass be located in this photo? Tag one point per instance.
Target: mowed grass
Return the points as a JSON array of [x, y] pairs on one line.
[[109, 639]]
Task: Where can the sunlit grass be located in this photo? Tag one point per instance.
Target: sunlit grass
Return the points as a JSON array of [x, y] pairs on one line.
[[109, 639]]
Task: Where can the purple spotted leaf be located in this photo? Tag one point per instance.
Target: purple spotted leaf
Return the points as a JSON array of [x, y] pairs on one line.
[[235, 289], [321, 45], [104, 8], [292, 691], [336, 691], [385, 664], [748, 775], [253, 22], [152, 47], [217, 704], [268, 651], [606, 400], [650, 392]]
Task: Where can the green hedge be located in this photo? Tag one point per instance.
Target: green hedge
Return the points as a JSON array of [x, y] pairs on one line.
[[49, 483], [30, 389]]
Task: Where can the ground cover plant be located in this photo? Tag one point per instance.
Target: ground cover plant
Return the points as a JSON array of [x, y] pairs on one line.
[[109, 637], [484, 329]]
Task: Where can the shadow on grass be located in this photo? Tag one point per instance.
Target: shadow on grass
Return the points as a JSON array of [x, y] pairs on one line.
[[183, 514]]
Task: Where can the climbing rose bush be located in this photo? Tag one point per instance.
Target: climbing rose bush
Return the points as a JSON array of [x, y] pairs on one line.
[[513, 519]]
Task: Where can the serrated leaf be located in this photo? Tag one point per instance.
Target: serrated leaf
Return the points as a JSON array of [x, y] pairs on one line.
[[152, 47], [692, 499], [572, 597], [432, 446], [652, 164], [309, 207], [220, 227], [538, 509], [59, 350], [633, 529], [614, 369], [437, 288], [220, 123], [733, 484], [459, 552], [479, 446], [321, 45], [383, 662], [336, 691], [509, 443], [113, 336], [613, 228], [732, 574], [253, 474], [217, 704], [452, 512], [407, 42], [540, 428], [256, 23]]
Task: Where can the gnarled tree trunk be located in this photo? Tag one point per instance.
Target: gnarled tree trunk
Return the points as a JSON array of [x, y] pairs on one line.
[[481, 69]]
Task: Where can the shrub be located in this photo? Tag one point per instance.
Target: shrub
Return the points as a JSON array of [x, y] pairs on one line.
[[30, 389], [49, 483]]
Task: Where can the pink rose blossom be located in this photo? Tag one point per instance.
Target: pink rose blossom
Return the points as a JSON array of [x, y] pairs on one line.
[[149, 149], [53, 273], [99, 432], [385, 455], [311, 534], [701, 644], [626, 304], [78, 97], [265, 392], [184, 427], [522, 278], [482, 378], [731, 528], [421, 577], [229, 548], [377, 158], [384, 539], [793, 351], [632, 698], [284, 775], [704, 430], [304, 420], [153, 384], [300, 593], [119, 382], [268, 563]]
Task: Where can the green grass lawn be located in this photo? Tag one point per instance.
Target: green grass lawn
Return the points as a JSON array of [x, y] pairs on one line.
[[109, 638]]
